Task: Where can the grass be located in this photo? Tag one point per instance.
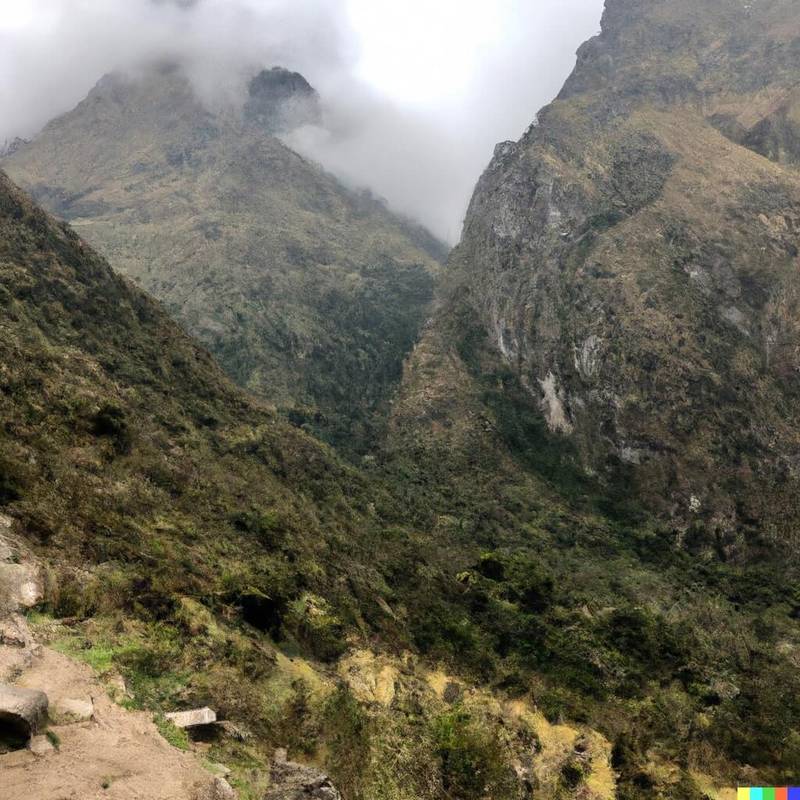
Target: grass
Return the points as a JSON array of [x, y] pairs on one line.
[[98, 656], [176, 736]]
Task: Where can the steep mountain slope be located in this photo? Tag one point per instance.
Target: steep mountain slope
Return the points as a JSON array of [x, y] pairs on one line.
[[489, 608], [309, 294], [633, 260], [619, 322], [122, 441], [215, 555]]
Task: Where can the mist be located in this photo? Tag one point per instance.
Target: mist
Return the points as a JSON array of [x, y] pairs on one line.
[[415, 96]]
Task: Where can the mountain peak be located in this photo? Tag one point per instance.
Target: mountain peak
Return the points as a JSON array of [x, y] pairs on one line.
[[274, 100], [279, 100]]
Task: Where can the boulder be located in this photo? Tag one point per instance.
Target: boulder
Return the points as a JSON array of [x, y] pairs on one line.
[[68, 710], [193, 718], [22, 713], [40, 746], [17, 647], [218, 789], [291, 781], [6, 550], [20, 586]]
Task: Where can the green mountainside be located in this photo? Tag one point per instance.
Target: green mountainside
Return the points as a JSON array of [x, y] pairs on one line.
[[213, 554], [569, 570], [309, 294], [619, 322]]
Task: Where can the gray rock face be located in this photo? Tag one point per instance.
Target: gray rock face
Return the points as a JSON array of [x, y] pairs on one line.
[[20, 586], [291, 781], [20, 577], [280, 100], [22, 713], [626, 301]]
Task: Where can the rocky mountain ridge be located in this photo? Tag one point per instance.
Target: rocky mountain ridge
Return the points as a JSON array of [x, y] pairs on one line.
[[633, 260]]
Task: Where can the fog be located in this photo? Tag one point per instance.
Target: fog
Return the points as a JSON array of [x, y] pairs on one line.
[[415, 94]]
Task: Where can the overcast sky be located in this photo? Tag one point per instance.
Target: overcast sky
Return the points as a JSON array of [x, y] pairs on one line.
[[416, 92]]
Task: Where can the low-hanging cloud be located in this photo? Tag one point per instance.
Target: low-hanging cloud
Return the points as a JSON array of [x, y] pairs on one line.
[[423, 158]]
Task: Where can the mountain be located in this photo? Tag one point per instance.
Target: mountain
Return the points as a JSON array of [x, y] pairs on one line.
[[632, 262], [617, 336], [198, 545], [308, 293], [568, 571]]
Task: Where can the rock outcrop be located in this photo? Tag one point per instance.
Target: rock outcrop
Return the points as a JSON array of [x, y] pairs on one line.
[[279, 101], [22, 712], [292, 781], [632, 261], [21, 588]]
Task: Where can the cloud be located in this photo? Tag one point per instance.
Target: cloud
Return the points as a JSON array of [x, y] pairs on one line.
[[472, 73], [53, 51]]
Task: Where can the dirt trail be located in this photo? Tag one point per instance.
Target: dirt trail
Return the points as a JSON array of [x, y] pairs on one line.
[[113, 754], [117, 755]]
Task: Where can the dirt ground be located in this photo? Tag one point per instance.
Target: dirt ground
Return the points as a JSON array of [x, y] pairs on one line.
[[117, 755], [112, 753]]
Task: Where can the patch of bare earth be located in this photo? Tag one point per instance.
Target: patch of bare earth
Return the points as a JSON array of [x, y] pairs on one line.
[[115, 754], [94, 748]]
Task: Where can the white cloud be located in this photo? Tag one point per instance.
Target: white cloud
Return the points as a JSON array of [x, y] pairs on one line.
[[416, 92]]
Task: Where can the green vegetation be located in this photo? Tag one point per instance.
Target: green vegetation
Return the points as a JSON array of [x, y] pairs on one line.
[[473, 763], [53, 738], [176, 736], [633, 582], [309, 294]]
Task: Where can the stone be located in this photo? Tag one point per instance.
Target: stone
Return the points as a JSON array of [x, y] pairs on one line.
[[233, 731], [20, 586], [17, 647], [291, 781], [193, 718], [452, 693], [40, 746], [22, 711], [218, 789], [6, 550], [69, 710], [116, 687]]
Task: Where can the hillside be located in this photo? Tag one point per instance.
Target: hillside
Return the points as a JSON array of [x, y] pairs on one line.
[[619, 323], [569, 571], [309, 294], [211, 553], [632, 260], [394, 627]]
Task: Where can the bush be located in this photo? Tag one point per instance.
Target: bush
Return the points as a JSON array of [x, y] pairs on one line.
[[472, 759], [110, 422]]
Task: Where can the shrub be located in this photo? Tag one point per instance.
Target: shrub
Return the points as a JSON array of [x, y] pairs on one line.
[[472, 759], [110, 422]]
